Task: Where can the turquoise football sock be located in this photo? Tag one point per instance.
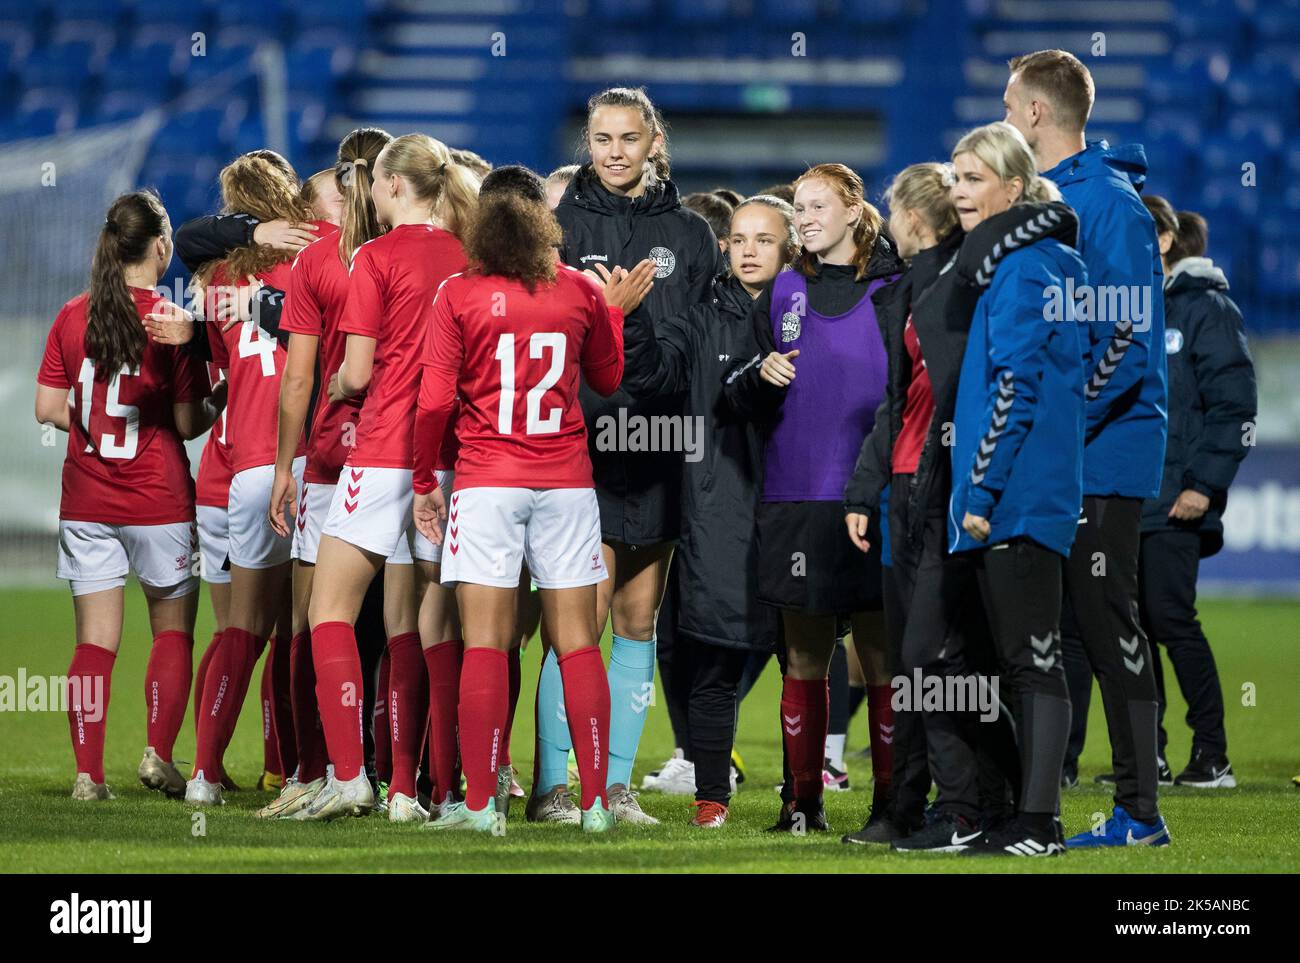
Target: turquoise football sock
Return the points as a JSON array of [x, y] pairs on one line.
[[553, 740], [631, 693]]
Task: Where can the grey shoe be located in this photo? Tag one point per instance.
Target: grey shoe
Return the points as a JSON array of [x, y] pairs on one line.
[[505, 776], [84, 790], [553, 806], [161, 775], [623, 804]]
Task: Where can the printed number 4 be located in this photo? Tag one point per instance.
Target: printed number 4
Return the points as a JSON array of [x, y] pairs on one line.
[[536, 424], [108, 446], [251, 342]]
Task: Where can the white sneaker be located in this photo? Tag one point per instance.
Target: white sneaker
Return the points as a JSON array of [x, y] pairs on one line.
[[85, 790], [405, 809], [161, 775], [352, 798], [295, 796], [650, 781], [677, 778], [200, 792], [623, 804], [734, 779]]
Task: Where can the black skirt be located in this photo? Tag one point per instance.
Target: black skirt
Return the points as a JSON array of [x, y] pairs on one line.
[[806, 562]]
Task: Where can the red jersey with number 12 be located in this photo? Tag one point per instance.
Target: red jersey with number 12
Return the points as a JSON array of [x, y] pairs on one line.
[[254, 363], [125, 464], [516, 359], [390, 298]]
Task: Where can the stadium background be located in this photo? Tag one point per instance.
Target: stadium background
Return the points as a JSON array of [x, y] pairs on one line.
[[97, 96]]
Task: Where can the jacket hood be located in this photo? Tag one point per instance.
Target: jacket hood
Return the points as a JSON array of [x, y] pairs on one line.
[[587, 192], [731, 295], [1194, 272], [1099, 159], [884, 259]]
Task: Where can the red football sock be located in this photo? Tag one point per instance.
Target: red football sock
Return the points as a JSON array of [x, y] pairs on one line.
[[224, 689], [201, 675], [484, 700], [805, 712], [270, 740], [90, 676], [512, 663], [880, 717], [407, 695], [286, 744], [167, 689], [444, 664], [379, 722], [586, 705], [307, 733], [339, 695]]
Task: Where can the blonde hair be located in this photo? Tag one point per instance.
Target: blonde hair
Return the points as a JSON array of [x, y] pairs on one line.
[[1003, 150], [789, 238], [259, 185], [847, 186], [925, 188], [659, 164], [426, 164]]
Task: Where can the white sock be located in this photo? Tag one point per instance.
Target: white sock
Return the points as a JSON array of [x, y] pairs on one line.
[[835, 749]]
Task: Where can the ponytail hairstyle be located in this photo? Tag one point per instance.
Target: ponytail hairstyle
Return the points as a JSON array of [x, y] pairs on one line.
[[115, 338], [449, 190], [354, 171], [789, 237], [257, 185], [848, 188], [1004, 151], [514, 234], [927, 190], [659, 164]]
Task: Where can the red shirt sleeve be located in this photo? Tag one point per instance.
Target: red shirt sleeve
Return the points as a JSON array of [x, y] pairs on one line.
[[364, 311], [302, 311], [189, 377], [440, 367], [602, 350], [53, 373]]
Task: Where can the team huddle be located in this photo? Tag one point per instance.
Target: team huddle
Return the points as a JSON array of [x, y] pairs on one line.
[[422, 380]]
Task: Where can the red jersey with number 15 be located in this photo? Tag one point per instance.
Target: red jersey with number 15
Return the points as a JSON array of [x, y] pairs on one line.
[[313, 305], [390, 298], [515, 359], [254, 364], [125, 464]]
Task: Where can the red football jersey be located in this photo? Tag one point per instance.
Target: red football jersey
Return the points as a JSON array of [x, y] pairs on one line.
[[515, 359], [253, 363], [212, 487], [313, 305], [390, 298], [125, 464]]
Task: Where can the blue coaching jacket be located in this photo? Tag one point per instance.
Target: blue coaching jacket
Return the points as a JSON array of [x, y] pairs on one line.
[[1017, 457], [1126, 389]]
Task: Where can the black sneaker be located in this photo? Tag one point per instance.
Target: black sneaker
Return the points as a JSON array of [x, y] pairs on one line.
[[1164, 776], [1207, 770], [1069, 780], [1017, 839], [882, 826], [945, 833], [801, 817]]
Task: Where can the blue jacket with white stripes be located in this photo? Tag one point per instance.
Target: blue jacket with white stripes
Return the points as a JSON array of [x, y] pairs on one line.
[[1017, 456], [1124, 444]]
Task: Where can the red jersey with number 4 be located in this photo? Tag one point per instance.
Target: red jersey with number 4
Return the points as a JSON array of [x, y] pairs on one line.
[[515, 359], [254, 363], [212, 487], [125, 464], [313, 305], [390, 298]]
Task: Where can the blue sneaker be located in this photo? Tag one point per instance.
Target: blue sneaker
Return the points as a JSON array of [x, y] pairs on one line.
[[1123, 830]]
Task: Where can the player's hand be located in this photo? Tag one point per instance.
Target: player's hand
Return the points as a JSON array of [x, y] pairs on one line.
[[978, 528], [335, 389], [778, 369], [220, 395], [857, 526], [284, 495], [235, 305], [284, 235], [1189, 506], [169, 323], [624, 289], [430, 511]]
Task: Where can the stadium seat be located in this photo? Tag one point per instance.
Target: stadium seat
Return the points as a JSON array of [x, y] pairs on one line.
[[706, 11], [16, 43], [45, 111], [193, 16], [146, 70], [1278, 20]]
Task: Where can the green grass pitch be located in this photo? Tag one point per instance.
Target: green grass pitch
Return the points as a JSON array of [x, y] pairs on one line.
[[1255, 828]]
